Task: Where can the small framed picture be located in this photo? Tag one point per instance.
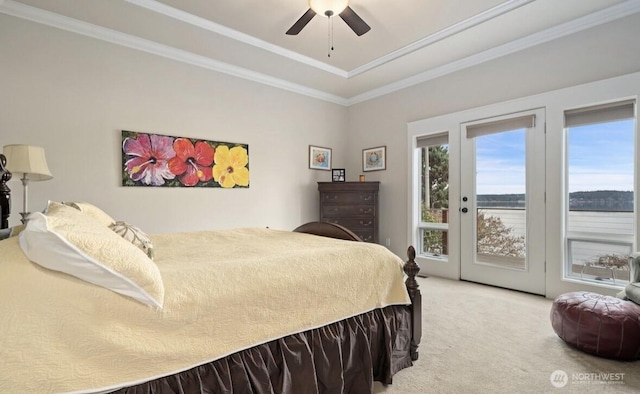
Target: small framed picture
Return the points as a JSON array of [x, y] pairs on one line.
[[338, 175], [319, 158], [374, 159]]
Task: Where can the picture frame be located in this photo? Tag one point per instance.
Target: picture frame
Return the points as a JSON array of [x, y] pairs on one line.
[[158, 160], [338, 175], [374, 159], [319, 158]]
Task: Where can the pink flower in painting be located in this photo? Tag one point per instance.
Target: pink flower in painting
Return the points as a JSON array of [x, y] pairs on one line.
[[192, 163], [149, 156]]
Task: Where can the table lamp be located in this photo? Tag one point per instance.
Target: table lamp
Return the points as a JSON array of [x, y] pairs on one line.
[[28, 161]]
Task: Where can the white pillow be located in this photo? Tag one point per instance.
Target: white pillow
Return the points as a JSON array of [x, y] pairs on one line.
[[67, 240]]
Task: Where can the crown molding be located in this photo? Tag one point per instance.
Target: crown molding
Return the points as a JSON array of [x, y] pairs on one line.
[[597, 18], [206, 24], [34, 14], [52, 19], [440, 35], [166, 10]]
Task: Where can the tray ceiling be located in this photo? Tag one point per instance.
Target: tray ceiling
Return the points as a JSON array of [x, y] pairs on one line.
[[411, 41]]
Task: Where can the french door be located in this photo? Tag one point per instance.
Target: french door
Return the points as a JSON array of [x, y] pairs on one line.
[[502, 207]]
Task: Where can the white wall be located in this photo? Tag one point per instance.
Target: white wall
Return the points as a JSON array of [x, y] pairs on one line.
[[73, 95]]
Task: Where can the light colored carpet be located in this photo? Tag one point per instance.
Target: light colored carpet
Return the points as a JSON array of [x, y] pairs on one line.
[[482, 339]]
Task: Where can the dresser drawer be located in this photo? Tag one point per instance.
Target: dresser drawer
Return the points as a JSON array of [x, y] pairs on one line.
[[353, 205], [348, 210], [367, 234], [352, 223], [348, 198]]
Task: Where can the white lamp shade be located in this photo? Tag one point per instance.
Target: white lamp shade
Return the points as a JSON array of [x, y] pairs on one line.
[[27, 160], [322, 6]]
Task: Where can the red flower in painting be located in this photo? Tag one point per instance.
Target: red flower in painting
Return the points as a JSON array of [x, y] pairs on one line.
[[147, 158], [192, 163]]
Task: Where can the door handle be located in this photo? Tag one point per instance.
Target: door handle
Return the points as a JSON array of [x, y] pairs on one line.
[[464, 210]]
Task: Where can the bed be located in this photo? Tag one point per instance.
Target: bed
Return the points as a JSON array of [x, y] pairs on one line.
[[252, 310]]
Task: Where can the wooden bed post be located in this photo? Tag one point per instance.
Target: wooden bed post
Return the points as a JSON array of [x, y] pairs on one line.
[[5, 193], [412, 269]]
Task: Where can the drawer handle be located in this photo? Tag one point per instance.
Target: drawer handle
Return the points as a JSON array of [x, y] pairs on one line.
[[369, 223], [366, 198], [362, 210], [328, 197], [367, 238]]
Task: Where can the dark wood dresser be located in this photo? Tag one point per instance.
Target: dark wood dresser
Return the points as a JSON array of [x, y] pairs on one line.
[[353, 205]]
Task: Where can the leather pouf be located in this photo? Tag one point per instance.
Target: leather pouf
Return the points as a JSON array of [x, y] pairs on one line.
[[597, 324]]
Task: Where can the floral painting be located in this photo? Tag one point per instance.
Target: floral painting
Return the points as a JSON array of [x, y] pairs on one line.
[[160, 160]]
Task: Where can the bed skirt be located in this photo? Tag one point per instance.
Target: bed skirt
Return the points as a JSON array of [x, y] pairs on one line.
[[343, 357]]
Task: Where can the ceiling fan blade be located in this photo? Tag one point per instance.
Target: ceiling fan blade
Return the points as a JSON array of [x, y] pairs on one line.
[[301, 23], [354, 21]]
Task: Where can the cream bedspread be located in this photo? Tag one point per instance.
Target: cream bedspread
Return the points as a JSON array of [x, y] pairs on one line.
[[224, 291]]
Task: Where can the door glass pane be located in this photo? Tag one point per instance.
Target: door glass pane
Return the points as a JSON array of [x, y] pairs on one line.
[[434, 198], [600, 220], [500, 199]]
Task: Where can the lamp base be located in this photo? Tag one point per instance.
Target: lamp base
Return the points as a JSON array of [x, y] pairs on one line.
[[25, 217]]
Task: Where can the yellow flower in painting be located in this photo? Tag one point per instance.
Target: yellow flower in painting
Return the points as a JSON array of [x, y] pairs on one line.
[[230, 168]]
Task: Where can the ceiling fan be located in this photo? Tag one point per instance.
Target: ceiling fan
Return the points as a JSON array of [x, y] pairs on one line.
[[330, 8]]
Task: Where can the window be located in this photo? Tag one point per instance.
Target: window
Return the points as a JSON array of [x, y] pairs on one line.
[[434, 195], [599, 224]]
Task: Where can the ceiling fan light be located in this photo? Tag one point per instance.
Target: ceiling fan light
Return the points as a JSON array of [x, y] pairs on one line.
[[322, 6]]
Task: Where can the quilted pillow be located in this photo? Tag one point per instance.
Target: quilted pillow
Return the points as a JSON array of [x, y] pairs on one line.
[[91, 210], [134, 235], [69, 241]]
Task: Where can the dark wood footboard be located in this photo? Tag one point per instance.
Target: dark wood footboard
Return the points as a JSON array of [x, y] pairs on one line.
[[333, 230], [327, 229]]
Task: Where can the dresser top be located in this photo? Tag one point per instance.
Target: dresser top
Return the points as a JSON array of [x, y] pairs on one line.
[[348, 186]]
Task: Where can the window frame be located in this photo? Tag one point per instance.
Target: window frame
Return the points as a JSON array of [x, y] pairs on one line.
[[424, 142], [611, 111]]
